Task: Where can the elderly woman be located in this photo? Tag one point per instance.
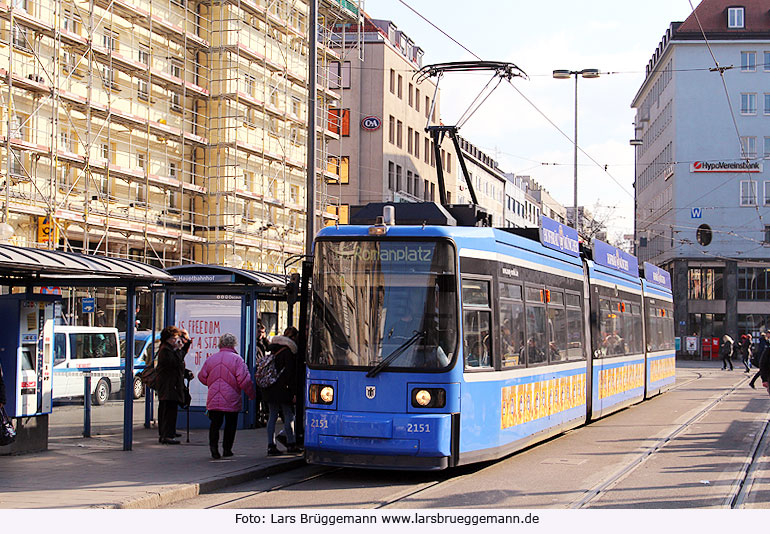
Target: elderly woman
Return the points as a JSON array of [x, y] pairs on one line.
[[171, 374], [226, 375]]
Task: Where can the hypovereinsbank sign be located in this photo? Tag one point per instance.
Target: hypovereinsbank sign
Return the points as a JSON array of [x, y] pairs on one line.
[[726, 166]]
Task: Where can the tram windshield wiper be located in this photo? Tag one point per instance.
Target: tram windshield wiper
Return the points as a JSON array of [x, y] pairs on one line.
[[374, 371]]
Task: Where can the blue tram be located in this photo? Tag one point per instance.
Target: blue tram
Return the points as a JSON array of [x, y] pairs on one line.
[[433, 346]]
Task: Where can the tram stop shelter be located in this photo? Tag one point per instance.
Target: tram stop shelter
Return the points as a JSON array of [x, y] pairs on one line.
[[210, 300], [31, 268]]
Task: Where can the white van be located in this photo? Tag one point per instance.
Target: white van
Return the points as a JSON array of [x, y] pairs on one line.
[[86, 348]]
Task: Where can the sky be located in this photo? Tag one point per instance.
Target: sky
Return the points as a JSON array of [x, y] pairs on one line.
[[618, 37]]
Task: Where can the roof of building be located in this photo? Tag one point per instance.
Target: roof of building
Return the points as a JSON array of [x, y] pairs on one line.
[[712, 15], [68, 268]]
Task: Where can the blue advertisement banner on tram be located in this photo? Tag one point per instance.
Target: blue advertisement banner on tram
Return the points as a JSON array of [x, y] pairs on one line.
[[614, 258]]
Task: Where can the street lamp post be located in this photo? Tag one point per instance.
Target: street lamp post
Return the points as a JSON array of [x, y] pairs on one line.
[[565, 75], [635, 143]]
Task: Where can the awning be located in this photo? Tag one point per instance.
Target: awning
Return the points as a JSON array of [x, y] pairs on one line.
[[69, 269]]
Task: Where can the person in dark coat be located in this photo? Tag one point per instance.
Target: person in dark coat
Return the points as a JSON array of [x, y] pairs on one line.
[[281, 396], [261, 344], [744, 348], [171, 374], [760, 351], [764, 368], [3, 399], [726, 352]]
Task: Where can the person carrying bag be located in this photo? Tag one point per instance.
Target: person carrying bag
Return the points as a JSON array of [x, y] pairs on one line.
[[7, 432]]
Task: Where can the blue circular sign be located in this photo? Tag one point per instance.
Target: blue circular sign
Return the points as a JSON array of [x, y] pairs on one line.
[[371, 123]]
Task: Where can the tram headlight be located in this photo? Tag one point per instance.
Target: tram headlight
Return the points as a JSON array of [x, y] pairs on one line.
[[321, 394], [423, 397], [428, 397]]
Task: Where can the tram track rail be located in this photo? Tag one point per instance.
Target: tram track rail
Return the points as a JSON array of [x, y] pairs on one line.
[[740, 488]]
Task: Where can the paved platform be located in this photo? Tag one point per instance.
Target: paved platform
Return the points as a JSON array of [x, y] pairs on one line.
[[97, 473]]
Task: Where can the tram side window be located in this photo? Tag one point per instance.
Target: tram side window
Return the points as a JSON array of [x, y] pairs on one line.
[[635, 343], [610, 328], [536, 332], [557, 327], [574, 327], [477, 319], [512, 333]]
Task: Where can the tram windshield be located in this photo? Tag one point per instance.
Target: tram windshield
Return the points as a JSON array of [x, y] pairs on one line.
[[384, 300]]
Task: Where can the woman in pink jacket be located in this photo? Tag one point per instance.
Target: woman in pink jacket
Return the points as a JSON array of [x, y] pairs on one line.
[[226, 375]]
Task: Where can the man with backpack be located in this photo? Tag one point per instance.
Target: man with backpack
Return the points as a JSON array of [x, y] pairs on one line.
[[274, 375]]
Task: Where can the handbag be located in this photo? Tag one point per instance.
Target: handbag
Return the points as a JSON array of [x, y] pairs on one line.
[[187, 397], [7, 433], [149, 377]]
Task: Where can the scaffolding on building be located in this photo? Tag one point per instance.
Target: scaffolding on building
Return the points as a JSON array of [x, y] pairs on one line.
[[168, 131]]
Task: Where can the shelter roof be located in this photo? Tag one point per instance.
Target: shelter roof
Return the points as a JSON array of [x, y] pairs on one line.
[[202, 273], [67, 268]]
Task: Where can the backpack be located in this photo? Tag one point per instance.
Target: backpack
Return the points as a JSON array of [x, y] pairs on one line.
[[265, 372]]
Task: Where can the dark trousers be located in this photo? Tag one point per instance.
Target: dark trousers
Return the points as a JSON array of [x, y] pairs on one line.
[[727, 360], [231, 422], [167, 419], [755, 378]]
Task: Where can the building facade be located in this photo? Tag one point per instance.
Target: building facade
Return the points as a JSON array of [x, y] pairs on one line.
[[487, 179], [168, 131], [702, 189], [385, 153]]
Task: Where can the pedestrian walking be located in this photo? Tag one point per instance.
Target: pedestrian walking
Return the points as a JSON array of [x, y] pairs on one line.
[[226, 375], [726, 352], [171, 374], [744, 348], [758, 355], [281, 395]]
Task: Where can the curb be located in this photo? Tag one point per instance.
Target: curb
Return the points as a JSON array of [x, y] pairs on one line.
[[181, 492]]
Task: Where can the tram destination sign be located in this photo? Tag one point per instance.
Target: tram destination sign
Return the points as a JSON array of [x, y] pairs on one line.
[[614, 258], [656, 275], [558, 236]]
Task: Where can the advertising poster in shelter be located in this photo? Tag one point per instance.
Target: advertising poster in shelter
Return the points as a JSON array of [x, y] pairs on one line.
[[206, 318]]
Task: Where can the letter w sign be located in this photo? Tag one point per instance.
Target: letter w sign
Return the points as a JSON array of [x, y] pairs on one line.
[[696, 213]]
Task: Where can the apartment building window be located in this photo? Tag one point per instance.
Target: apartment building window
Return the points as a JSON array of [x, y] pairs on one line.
[[19, 38], [339, 75], [409, 182], [416, 99], [400, 86], [735, 18], [767, 103], [432, 155], [172, 170], [70, 21], [391, 175], [249, 84], [398, 178], [176, 102], [141, 160], [427, 107], [753, 283], [339, 121], [767, 233], [766, 152], [110, 39], [748, 193], [748, 61], [409, 139], [106, 152], [176, 69], [296, 109], [767, 194], [766, 61], [426, 190], [417, 144], [748, 103], [426, 152], [339, 166], [142, 90], [432, 191], [109, 77], [399, 134], [410, 95], [449, 163], [748, 147], [705, 283], [392, 130], [273, 95], [392, 81]]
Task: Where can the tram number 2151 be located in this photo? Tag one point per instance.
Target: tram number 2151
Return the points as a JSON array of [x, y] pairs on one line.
[[319, 423], [417, 427]]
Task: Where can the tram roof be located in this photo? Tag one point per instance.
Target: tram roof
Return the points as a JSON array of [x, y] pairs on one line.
[[41, 267]]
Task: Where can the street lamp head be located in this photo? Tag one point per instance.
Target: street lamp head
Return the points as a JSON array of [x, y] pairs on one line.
[[635, 142], [589, 73], [562, 74]]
